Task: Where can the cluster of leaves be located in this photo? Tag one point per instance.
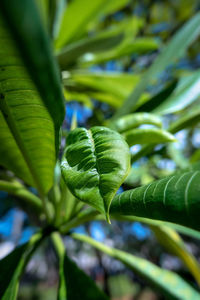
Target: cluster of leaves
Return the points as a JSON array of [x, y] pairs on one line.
[[96, 161]]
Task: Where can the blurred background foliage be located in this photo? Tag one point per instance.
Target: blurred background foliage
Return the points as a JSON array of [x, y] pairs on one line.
[[104, 49]]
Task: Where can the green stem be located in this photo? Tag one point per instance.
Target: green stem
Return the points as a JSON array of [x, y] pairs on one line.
[[15, 188], [84, 216]]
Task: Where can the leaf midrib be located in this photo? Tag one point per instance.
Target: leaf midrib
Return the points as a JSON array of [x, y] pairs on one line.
[[10, 121]]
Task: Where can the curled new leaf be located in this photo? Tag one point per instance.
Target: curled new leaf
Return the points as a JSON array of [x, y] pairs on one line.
[[148, 136], [95, 164], [134, 120], [174, 198]]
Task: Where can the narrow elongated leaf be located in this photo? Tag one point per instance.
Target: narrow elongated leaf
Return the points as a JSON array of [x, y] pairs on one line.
[[27, 139], [182, 229], [186, 120], [34, 47], [12, 267], [174, 199], [74, 283], [147, 136], [127, 47], [186, 92], [95, 164], [172, 241], [168, 283], [134, 120], [103, 41], [157, 99], [71, 30], [172, 51]]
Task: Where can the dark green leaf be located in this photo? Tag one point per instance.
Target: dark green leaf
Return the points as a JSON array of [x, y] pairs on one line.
[[173, 199], [95, 164], [74, 283], [12, 267]]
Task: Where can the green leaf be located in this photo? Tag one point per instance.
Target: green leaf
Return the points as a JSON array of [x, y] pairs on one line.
[[168, 283], [172, 241], [157, 99], [95, 164], [186, 92], [16, 189], [34, 46], [174, 199], [12, 267], [148, 136], [76, 19], [134, 120], [117, 84], [187, 119], [182, 229], [171, 52], [103, 41], [27, 131], [74, 283], [127, 47]]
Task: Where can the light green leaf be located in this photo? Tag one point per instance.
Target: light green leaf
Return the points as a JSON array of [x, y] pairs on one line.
[[16, 189], [134, 120], [172, 241], [74, 283], [186, 92], [35, 49], [12, 267], [27, 136], [174, 199], [76, 19], [95, 164], [171, 52], [182, 229], [168, 283], [147, 136], [117, 84]]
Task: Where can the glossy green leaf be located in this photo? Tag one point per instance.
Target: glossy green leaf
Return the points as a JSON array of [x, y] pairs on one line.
[[147, 136], [186, 92], [172, 241], [95, 164], [70, 30], [35, 48], [134, 120], [168, 283], [174, 199], [74, 283], [171, 52], [27, 136], [12, 267]]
